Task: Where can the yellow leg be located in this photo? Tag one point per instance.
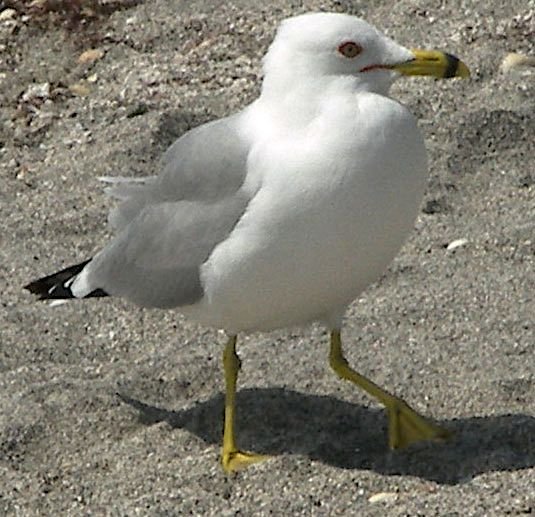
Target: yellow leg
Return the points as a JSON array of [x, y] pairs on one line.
[[405, 426], [232, 458]]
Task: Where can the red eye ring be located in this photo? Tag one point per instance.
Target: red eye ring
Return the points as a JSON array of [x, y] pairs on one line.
[[350, 49]]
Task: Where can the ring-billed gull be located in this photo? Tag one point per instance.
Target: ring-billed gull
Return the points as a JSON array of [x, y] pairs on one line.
[[284, 212]]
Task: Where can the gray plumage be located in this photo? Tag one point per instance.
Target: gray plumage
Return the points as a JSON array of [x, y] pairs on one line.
[[167, 226]]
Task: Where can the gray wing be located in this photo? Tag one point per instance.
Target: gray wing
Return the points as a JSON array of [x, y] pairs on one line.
[[167, 226], [205, 164]]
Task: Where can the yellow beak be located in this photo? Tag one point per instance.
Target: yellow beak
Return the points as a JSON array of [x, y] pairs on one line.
[[434, 63]]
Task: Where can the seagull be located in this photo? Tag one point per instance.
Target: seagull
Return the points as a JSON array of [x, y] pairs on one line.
[[283, 213]]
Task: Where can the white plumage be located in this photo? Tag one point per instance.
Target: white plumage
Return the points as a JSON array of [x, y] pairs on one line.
[[283, 213]]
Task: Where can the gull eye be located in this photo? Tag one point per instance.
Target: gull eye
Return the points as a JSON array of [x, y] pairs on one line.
[[350, 49]]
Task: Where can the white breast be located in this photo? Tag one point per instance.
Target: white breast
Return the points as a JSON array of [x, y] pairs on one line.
[[336, 202]]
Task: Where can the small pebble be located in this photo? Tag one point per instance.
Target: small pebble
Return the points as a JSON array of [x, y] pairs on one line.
[[40, 91], [7, 14], [91, 55], [383, 497], [457, 243], [516, 61], [80, 89]]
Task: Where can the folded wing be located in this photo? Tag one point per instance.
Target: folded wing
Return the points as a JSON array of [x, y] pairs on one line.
[[168, 225]]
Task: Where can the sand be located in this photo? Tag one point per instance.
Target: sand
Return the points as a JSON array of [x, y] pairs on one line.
[[108, 409]]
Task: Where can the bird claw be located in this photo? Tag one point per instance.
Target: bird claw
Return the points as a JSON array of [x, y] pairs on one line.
[[235, 460], [406, 426]]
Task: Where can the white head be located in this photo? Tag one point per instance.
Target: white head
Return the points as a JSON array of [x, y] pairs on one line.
[[320, 46]]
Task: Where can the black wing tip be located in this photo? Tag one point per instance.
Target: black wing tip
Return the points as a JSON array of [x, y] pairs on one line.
[[53, 287], [38, 288]]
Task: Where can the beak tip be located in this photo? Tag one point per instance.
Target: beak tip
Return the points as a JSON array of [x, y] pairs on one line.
[[463, 71], [455, 67]]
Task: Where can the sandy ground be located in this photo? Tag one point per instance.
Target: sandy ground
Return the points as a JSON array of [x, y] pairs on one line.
[[109, 409]]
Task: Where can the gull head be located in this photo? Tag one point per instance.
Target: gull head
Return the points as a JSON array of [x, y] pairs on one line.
[[321, 47]]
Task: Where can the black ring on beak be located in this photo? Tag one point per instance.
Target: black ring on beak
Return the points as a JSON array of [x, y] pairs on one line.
[[453, 65]]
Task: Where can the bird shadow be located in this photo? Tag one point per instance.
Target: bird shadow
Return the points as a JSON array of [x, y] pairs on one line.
[[277, 421]]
